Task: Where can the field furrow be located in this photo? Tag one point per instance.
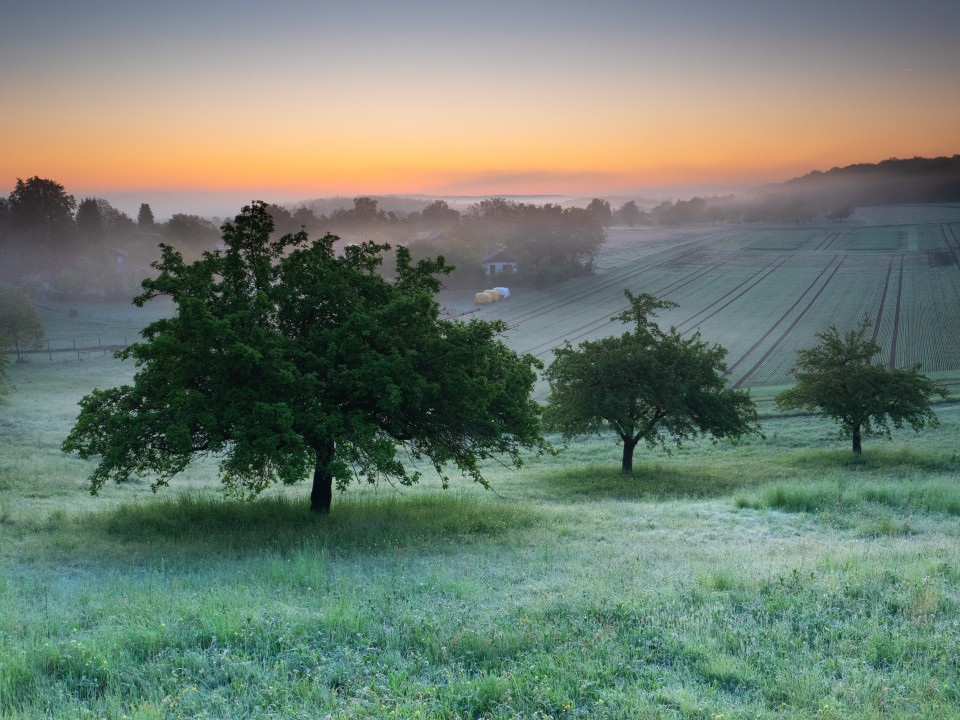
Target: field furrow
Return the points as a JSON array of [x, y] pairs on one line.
[[766, 271], [896, 319], [883, 300], [764, 293], [789, 328]]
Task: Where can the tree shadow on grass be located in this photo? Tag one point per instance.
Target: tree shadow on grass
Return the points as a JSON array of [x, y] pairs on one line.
[[648, 482], [191, 527], [888, 460]]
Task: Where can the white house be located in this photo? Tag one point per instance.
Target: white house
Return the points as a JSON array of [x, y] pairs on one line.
[[499, 262]]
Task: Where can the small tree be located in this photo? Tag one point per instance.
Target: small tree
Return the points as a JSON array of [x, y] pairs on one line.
[[837, 380], [20, 325], [647, 385], [841, 213], [4, 361], [283, 357]]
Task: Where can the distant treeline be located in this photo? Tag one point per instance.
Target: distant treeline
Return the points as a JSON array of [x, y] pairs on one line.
[[832, 195], [50, 242], [891, 182], [547, 242]]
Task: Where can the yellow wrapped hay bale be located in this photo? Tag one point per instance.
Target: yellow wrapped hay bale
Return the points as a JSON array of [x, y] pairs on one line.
[[482, 298], [495, 294]]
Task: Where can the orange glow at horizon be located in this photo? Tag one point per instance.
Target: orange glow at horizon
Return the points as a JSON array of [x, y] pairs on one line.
[[569, 161], [571, 104]]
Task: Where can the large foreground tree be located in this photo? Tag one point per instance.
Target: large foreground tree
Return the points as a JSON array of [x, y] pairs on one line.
[[284, 358], [648, 385], [837, 379]]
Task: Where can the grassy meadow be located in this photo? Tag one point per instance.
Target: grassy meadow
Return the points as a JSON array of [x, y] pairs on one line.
[[777, 577]]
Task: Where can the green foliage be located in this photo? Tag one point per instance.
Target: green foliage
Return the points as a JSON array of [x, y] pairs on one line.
[[284, 357], [837, 379], [548, 598], [648, 385], [20, 325]]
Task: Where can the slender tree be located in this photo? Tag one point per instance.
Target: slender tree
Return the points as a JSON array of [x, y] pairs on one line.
[[20, 325], [145, 216], [838, 380], [284, 358], [4, 362]]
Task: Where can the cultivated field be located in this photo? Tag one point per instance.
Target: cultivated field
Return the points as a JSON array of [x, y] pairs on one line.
[[764, 292], [776, 578]]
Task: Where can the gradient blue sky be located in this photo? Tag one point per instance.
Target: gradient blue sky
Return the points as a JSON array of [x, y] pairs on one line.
[[300, 99]]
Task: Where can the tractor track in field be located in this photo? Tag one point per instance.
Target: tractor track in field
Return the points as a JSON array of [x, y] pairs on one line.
[[770, 270], [951, 248], [827, 241], [883, 300], [783, 317], [950, 228], [896, 319], [609, 281], [589, 327], [612, 279]]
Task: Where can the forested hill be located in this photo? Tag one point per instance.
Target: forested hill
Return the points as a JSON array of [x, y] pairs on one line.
[[891, 182]]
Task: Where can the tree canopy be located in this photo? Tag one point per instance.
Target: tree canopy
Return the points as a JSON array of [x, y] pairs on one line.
[[600, 209], [40, 217], [647, 385], [283, 357], [41, 206], [837, 379]]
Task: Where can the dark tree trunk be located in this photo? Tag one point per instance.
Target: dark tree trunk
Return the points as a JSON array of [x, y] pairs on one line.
[[626, 467], [856, 440], [322, 493]]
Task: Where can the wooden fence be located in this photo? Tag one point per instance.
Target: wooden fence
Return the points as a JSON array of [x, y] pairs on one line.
[[79, 349]]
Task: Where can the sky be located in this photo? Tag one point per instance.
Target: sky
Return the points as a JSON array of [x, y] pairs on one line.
[[208, 100]]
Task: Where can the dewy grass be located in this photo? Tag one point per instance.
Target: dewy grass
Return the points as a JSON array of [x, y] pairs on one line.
[[774, 578]]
